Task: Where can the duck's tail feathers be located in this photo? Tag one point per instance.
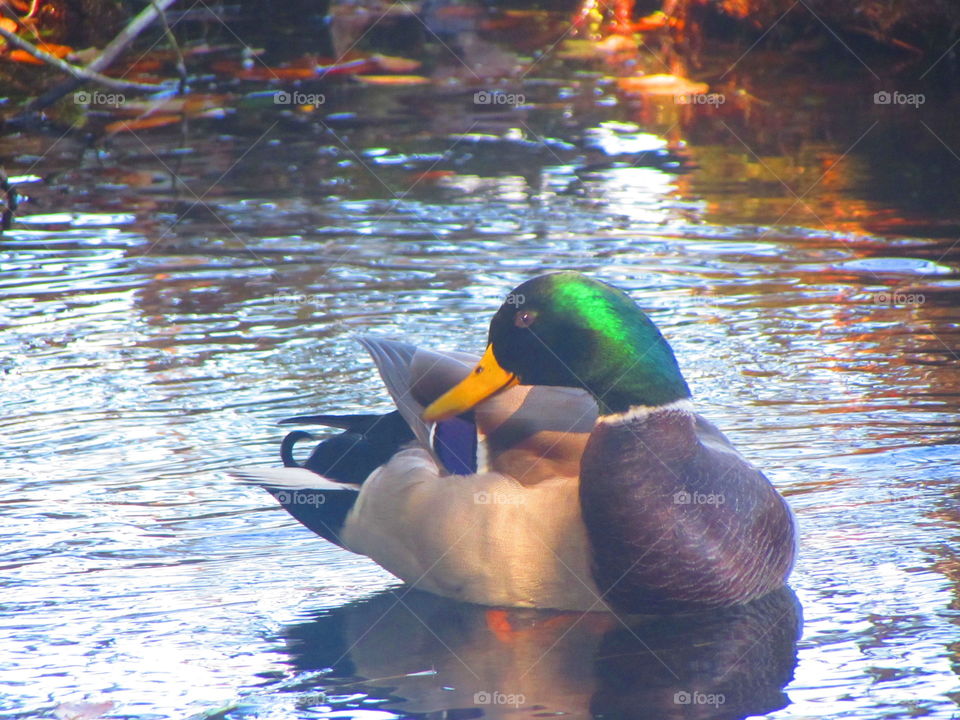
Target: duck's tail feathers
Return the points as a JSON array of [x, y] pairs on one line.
[[287, 445], [366, 443], [319, 503]]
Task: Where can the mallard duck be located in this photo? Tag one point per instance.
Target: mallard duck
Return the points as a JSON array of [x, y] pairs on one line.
[[566, 468]]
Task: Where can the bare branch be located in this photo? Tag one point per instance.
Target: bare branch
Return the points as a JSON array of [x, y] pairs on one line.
[[79, 73], [110, 53]]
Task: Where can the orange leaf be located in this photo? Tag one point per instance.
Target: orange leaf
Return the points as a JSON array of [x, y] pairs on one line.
[[153, 121], [60, 51], [656, 21], [147, 65], [190, 105], [268, 73], [393, 79], [430, 175], [389, 63], [661, 85], [22, 56]]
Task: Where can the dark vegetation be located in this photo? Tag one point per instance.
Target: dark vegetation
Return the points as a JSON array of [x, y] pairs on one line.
[[820, 33], [792, 73]]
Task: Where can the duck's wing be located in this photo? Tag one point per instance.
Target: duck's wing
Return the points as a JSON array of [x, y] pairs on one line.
[[481, 538], [711, 436], [402, 366], [527, 432]]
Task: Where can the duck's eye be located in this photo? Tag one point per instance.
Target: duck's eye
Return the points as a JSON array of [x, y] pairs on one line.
[[524, 318]]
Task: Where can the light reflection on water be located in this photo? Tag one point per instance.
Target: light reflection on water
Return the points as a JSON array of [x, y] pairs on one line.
[[138, 365]]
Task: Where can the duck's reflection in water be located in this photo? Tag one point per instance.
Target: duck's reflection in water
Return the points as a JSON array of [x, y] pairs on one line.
[[429, 654]]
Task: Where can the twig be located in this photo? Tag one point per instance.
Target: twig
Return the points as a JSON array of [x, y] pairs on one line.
[[181, 63], [80, 73], [140, 23], [34, 6], [110, 53]]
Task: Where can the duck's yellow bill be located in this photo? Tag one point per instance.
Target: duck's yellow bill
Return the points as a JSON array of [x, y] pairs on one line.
[[482, 382]]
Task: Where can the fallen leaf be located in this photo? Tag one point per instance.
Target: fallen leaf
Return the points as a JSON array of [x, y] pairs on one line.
[[389, 63], [594, 50], [22, 56], [189, 105], [655, 21], [145, 65], [614, 44], [154, 121], [661, 84], [393, 79], [430, 175]]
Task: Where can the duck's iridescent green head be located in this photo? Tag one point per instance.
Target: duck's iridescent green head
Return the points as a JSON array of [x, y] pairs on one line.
[[570, 330]]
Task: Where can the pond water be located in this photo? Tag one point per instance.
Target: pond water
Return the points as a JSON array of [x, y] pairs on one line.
[[167, 295]]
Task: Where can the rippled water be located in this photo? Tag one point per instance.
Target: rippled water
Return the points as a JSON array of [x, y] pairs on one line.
[[165, 298]]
